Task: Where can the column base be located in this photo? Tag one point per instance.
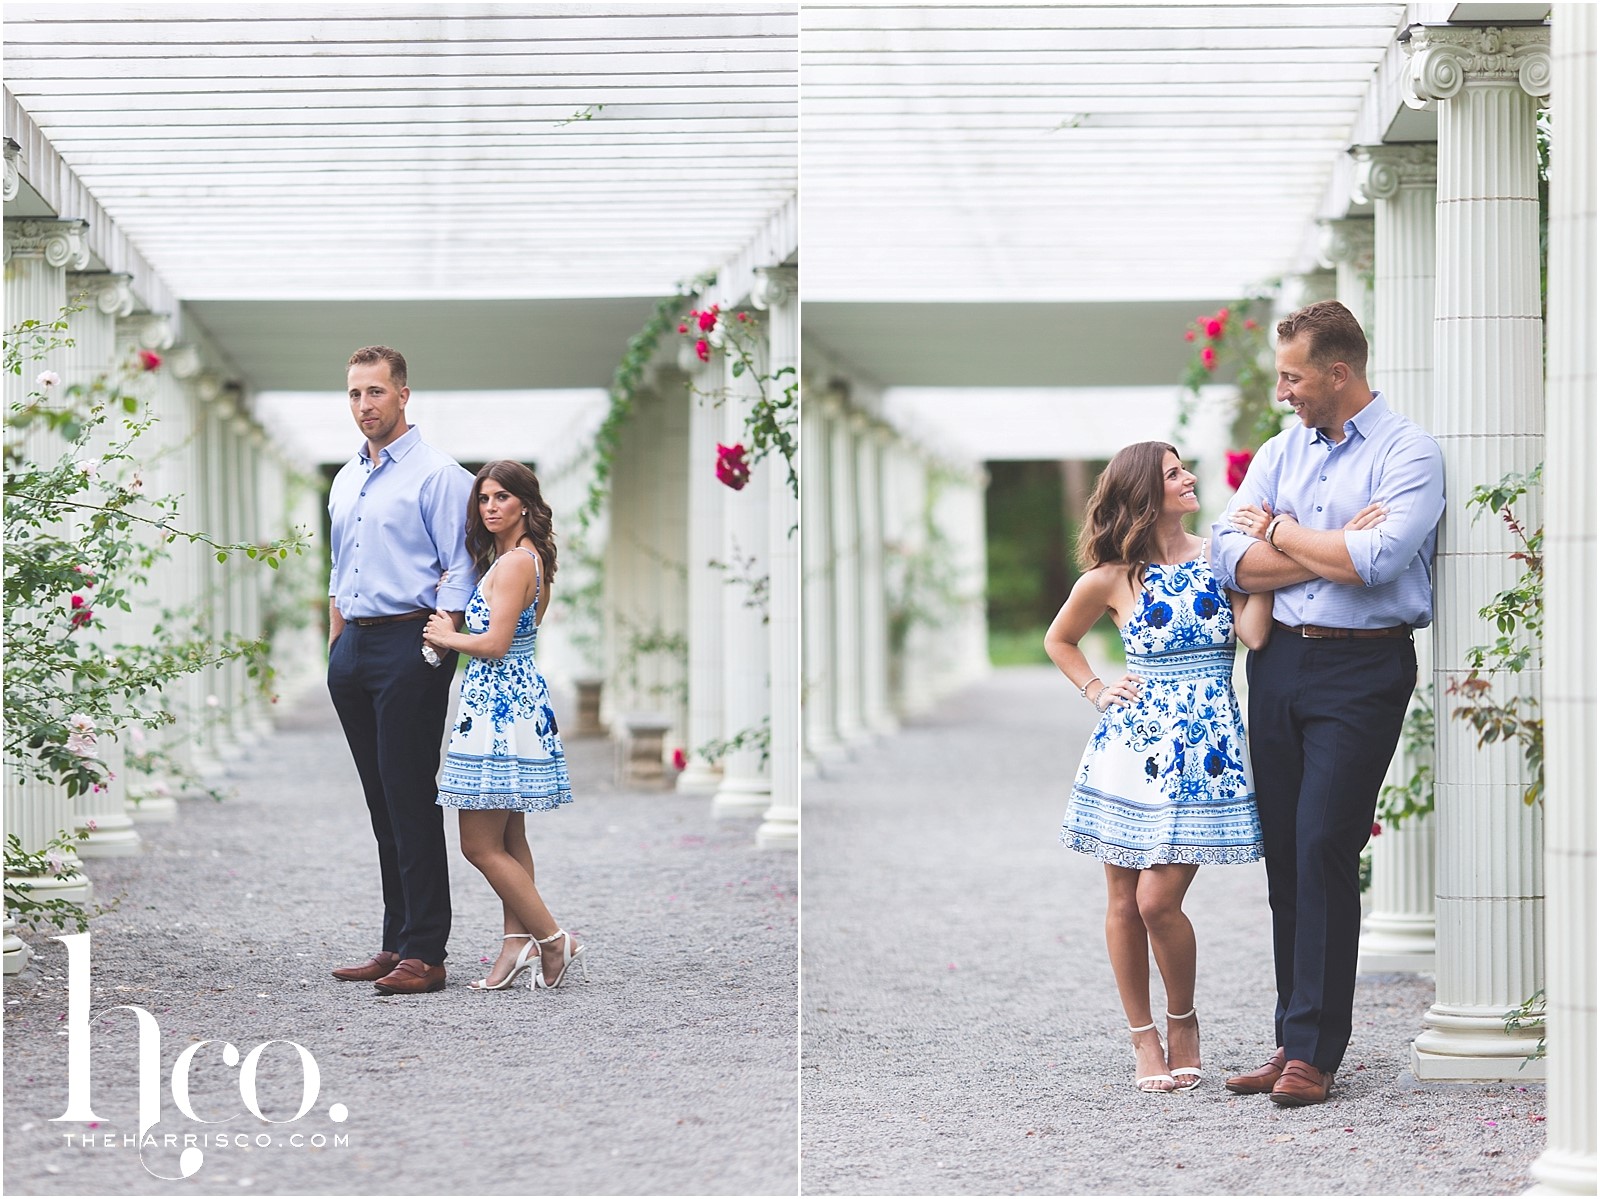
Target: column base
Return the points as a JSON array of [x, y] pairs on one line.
[[155, 809], [74, 886], [115, 837], [1557, 1173], [1396, 946], [699, 778], [18, 951], [740, 800], [1471, 1045], [780, 828]]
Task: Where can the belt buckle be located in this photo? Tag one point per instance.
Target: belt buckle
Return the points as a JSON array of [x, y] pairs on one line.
[[1307, 635]]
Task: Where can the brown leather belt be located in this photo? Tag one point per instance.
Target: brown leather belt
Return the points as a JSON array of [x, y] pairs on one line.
[[367, 621], [1317, 632]]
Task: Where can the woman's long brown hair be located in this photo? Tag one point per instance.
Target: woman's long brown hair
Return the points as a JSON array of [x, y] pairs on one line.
[[1120, 524], [524, 484]]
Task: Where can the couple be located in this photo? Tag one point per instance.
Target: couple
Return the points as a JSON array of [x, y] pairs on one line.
[[411, 531], [1330, 539]]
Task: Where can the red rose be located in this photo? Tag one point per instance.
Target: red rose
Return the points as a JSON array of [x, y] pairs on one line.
[[1222, 314], [1208, 358], [149, 359], [708, 321], [702, 350], [732, 470], [683, 328], [77, 601], [1189, 336], [679, 759], [1213, 328], [743, 317], [1249, 324], [82, 616], [1238, 464], [1376, 828]]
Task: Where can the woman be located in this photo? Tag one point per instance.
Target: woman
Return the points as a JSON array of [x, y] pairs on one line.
[[505, 754], [1165, 782]]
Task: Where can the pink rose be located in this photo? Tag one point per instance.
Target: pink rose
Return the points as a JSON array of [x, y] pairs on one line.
[[1189, 336], [1208, 358], [1213, 328], [149, 360], [1238, 464], [708, 321], [702, 350], [679, 759], [732, 470], [683, 328]]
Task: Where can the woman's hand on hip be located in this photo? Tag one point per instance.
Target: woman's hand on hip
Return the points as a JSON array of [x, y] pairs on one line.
[[1124, 691]]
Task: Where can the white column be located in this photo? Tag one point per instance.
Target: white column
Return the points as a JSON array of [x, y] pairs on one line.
[[876, 709], [816, 548], [1567, 1165], [961, 514], [102, 813], [1400, 181], [780, 826], [846, 547], [1347, 247], [1488, 420], [746, 786], [707, 511], [37, 252]]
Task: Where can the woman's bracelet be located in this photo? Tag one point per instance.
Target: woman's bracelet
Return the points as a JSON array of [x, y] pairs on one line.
[[1084, 690], [1098, 696]]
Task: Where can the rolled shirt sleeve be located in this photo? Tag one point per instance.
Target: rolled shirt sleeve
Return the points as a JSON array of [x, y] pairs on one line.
[[1411, 486], [444, 498], [1229, 544]]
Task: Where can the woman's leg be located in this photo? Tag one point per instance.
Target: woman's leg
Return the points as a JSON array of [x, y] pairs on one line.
[[1128, 945], [492, 839], [1160, 900]]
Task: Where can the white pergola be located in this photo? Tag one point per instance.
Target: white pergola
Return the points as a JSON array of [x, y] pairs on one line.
[[499, 189]]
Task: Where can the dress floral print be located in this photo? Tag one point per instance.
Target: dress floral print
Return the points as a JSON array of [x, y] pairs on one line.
[[505, 750], [1167, 777]]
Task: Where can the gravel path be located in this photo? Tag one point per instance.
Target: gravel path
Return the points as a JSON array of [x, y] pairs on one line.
[[671, 1072], [960, 1027]]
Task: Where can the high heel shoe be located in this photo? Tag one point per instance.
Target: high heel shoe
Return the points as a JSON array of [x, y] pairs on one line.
[[1193, 1073], [521, 964], [568, 957], [1139, 1084]]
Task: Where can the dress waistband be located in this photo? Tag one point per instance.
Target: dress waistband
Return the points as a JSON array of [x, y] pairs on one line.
[[1203, 662]]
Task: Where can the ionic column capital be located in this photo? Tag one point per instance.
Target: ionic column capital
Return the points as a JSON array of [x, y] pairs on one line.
[[1348, 242], [60, 243], [112, 294], [184, 362], [149, 331], [1444, 58], [774, 285], [1381, 171], [13, 184]]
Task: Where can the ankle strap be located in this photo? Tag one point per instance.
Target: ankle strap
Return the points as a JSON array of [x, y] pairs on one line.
[[1146, 1028], [560, 932], [511, 936], [1175, 1016]]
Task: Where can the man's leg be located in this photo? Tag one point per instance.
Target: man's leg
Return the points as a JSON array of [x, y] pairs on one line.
[[412, 704], [1277, 764], [354, 703], [1354, 702]]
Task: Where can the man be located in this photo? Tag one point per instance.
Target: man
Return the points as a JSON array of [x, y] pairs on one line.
[[398, 511], [1338, 516]]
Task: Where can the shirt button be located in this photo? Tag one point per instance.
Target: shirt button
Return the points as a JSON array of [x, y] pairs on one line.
[[1319, 509], [1324, 478], [1309, 596]]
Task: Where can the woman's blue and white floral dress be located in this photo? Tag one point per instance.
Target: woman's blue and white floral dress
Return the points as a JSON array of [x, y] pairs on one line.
[[504, 751], [1167, 777]]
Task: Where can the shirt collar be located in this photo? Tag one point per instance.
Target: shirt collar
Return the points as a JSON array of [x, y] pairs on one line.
[[396, 449], [1363, 422]]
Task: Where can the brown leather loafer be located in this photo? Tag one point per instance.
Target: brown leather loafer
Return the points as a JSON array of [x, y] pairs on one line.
[[1261, 1080], [1301, 1084], [368, 972], [412, 976]]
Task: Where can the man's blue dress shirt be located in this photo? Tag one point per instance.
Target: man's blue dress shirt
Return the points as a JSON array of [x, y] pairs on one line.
[[1322, 483], [398, 525]]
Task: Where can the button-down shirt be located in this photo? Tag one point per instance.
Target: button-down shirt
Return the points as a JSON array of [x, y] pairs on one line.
[[397, 525], [1323, 483]]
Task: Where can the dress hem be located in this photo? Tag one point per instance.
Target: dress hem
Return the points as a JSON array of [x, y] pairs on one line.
[[1162, 855]]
